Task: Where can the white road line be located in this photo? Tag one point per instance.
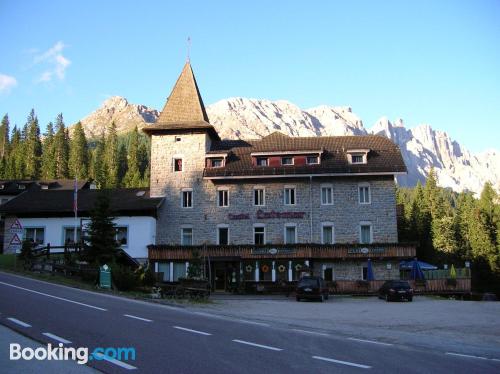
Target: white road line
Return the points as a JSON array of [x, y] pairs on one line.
[[369, 341], [54, 297], [139, 318], [463, 355], [495, 359], [311, 332], [342, 362], [189, 330], [257, 345], [114, 361], [20, 323], [55, 337], [253, 323]]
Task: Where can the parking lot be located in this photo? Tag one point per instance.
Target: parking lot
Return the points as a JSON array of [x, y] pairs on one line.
[[471, 327]]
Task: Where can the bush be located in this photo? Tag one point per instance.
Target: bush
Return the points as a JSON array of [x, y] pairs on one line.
[[124, 278], [148, 277]]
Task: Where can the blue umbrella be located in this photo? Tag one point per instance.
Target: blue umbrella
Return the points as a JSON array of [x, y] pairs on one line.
[[416, 271], [369, 271]]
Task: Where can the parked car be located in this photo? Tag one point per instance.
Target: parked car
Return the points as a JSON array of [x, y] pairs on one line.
[[312, 288], [396, 290]]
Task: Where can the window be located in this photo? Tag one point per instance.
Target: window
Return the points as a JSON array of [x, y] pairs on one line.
[[328, 274], [69, 234], [223, 235], [357, 159], [223, 198], [327, 236], [286, 160], [35, 234], [312, 160], [364, 194], [178, 138], [187, 236], [187, 198], [179, 270], [177, 164], [364, 272], [327, 195], [164, 267], [289, 196], [121, 235], [259, 235], [262, 161], [365, 233], [290, 234], [216, 162], [259, 196]]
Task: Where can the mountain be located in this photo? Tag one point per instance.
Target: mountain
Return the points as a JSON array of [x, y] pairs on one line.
[[422, 147]]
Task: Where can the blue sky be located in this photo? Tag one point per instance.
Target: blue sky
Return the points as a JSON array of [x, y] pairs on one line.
[[435, 62]]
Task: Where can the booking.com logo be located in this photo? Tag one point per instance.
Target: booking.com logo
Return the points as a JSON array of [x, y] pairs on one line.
[[80, 355]]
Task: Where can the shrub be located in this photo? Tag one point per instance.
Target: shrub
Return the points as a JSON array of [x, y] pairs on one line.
[[124, 278]]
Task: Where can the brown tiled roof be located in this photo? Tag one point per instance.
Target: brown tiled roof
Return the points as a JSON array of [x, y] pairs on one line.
[[384, 155], [184, 108], [59, 203]]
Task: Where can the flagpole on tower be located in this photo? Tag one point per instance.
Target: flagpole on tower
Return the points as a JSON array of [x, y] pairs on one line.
[[75, 208]]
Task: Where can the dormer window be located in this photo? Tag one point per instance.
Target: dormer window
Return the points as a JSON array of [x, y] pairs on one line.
[[312, 160], [287, 160], [216, 162], [262, 161], [357, 156]]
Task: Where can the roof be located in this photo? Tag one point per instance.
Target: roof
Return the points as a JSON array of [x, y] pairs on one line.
[[184, 108], [59, 203], [17, 186], [384, 156]]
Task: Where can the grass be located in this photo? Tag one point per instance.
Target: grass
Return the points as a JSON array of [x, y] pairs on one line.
[[7, 261]]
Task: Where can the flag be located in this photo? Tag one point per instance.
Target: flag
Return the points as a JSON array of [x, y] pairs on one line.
[[75, 198]]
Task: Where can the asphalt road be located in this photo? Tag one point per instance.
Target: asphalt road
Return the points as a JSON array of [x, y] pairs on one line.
[[178, 340]]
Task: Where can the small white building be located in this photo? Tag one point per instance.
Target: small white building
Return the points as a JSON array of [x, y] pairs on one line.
[[48, 217]]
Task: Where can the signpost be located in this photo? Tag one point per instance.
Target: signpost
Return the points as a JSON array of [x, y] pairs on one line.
[[16, 242], [105, 276]]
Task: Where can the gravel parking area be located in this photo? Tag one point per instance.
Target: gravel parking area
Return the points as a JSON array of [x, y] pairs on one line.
[[468, 327]]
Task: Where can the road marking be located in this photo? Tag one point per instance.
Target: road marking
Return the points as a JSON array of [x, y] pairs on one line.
[[139, 318], [55, 337], [189, 330], [463, 355], [311, 332], [369, 341], [114, 361], [20, 323], [342, 362], [54, 297], [253, 323], [257, 345]]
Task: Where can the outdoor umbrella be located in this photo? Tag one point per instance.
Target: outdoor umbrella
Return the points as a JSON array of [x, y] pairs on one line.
[[369, 271], [416, 271]]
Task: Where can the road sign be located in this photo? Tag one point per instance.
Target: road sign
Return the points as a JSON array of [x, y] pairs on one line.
[[15, 243], [16, 227], [105, 277]]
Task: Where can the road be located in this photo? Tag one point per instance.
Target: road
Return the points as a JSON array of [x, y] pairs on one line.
[[178, 340]]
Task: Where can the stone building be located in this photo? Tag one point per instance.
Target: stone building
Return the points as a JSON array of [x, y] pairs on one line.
[[265, 210]]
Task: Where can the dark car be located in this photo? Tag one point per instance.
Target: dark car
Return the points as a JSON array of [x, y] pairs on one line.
[[312, 288], [396, 290]]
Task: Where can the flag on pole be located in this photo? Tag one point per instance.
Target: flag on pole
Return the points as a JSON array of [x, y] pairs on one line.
[[75, 198]]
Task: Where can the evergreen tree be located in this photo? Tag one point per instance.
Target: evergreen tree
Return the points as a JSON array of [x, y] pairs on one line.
[[111, 158], [49, 165], [133, 175], [15, 162], [61, 148], [122, 163], [33, 147], [98, 171], [79, 154], [431, 194], [102, 232], [4, 137]]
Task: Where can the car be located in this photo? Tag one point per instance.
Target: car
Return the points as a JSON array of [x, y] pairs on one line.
[[312, 288], [396, 290]]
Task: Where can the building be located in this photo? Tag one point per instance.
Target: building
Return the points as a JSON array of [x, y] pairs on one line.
[[46, 216], [263, 210]]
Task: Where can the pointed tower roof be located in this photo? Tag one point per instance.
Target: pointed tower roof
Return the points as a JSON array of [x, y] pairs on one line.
[[184, 109]]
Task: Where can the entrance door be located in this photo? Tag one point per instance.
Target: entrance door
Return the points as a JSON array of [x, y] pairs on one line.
[[220, 279]]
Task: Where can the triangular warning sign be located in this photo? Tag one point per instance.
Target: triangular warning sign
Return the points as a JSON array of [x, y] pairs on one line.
[[15, 240], [16, 225]]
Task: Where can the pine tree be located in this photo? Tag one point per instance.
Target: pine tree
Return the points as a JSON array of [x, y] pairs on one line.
[[79, 154], [4, 137], [33, 147], [98, 171], [49, 165], [133, 175], [15, 162], [61, 148], [431, 193], [111, 158], [122, 163]]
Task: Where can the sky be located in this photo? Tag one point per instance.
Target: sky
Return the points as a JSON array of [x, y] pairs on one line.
[[434, 62]]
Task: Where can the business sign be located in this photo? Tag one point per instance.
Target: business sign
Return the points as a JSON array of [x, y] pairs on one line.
[[279, 215], [235, 217], [365, 251], [272, 251], [105, 276]]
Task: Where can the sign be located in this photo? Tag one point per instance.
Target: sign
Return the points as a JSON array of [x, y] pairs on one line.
[[105, 276], [279, 215], [365, 251], [16, 227], [272, 251], [238, 216], [15, 243]]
